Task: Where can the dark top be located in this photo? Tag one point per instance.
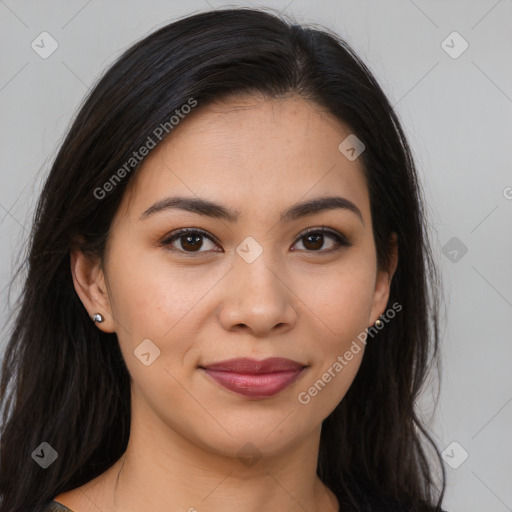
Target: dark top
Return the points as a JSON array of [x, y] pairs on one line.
[[54, 506]]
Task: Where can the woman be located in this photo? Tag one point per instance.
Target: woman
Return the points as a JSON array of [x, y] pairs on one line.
[[227, 302]]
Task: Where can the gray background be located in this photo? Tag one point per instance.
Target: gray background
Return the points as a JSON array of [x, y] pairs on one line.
[[457, 116]]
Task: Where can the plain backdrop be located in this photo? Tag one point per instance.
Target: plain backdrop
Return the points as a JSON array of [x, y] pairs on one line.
[[456, 108]]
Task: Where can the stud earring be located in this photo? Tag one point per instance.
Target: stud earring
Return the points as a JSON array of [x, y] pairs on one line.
[[378, 323], [98, 318]]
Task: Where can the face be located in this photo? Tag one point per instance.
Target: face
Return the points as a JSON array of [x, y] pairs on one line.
[[247, 280]]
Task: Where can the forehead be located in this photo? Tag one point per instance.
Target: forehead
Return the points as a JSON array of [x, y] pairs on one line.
[[252, 153]]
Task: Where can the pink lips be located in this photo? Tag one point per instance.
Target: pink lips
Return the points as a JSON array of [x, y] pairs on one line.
[[257, 379]]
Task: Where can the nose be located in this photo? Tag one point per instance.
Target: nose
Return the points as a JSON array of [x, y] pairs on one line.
[[258, 299]]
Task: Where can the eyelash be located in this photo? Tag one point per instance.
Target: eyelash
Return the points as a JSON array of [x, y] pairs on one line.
[[340, 239]]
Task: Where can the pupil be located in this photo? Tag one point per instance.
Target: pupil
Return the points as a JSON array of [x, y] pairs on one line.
[[189, 240], [318, 239]]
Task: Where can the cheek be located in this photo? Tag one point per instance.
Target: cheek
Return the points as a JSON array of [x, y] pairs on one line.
[[151, 295], [155, 312], [164, 303], [326, 386], [341, 301], [338, 304]]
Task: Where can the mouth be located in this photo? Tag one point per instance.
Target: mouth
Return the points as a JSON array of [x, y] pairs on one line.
[[255, 379]]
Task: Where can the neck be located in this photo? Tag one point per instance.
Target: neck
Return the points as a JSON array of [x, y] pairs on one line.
[[161, 469]]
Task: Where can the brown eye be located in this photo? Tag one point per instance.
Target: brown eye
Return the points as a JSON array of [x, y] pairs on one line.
[[314, 240], [190, 240]]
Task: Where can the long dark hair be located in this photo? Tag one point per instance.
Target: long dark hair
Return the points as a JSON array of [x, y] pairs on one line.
[[64, 381]]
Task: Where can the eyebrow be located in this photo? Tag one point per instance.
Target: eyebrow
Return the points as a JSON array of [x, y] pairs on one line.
[[218, 211]]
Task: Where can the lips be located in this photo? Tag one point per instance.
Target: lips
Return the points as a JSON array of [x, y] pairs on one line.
[[256, 379]]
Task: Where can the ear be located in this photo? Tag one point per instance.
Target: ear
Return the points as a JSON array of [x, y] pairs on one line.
[[383, 282], [90, 285]]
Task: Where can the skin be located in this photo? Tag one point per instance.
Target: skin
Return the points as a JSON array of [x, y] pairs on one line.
[[257, 156]]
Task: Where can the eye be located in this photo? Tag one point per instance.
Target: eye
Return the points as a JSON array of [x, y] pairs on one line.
[[315, 237], [190, 240]]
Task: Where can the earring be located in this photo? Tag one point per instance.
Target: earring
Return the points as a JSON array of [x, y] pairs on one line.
[[379, 323], [98, 317]]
